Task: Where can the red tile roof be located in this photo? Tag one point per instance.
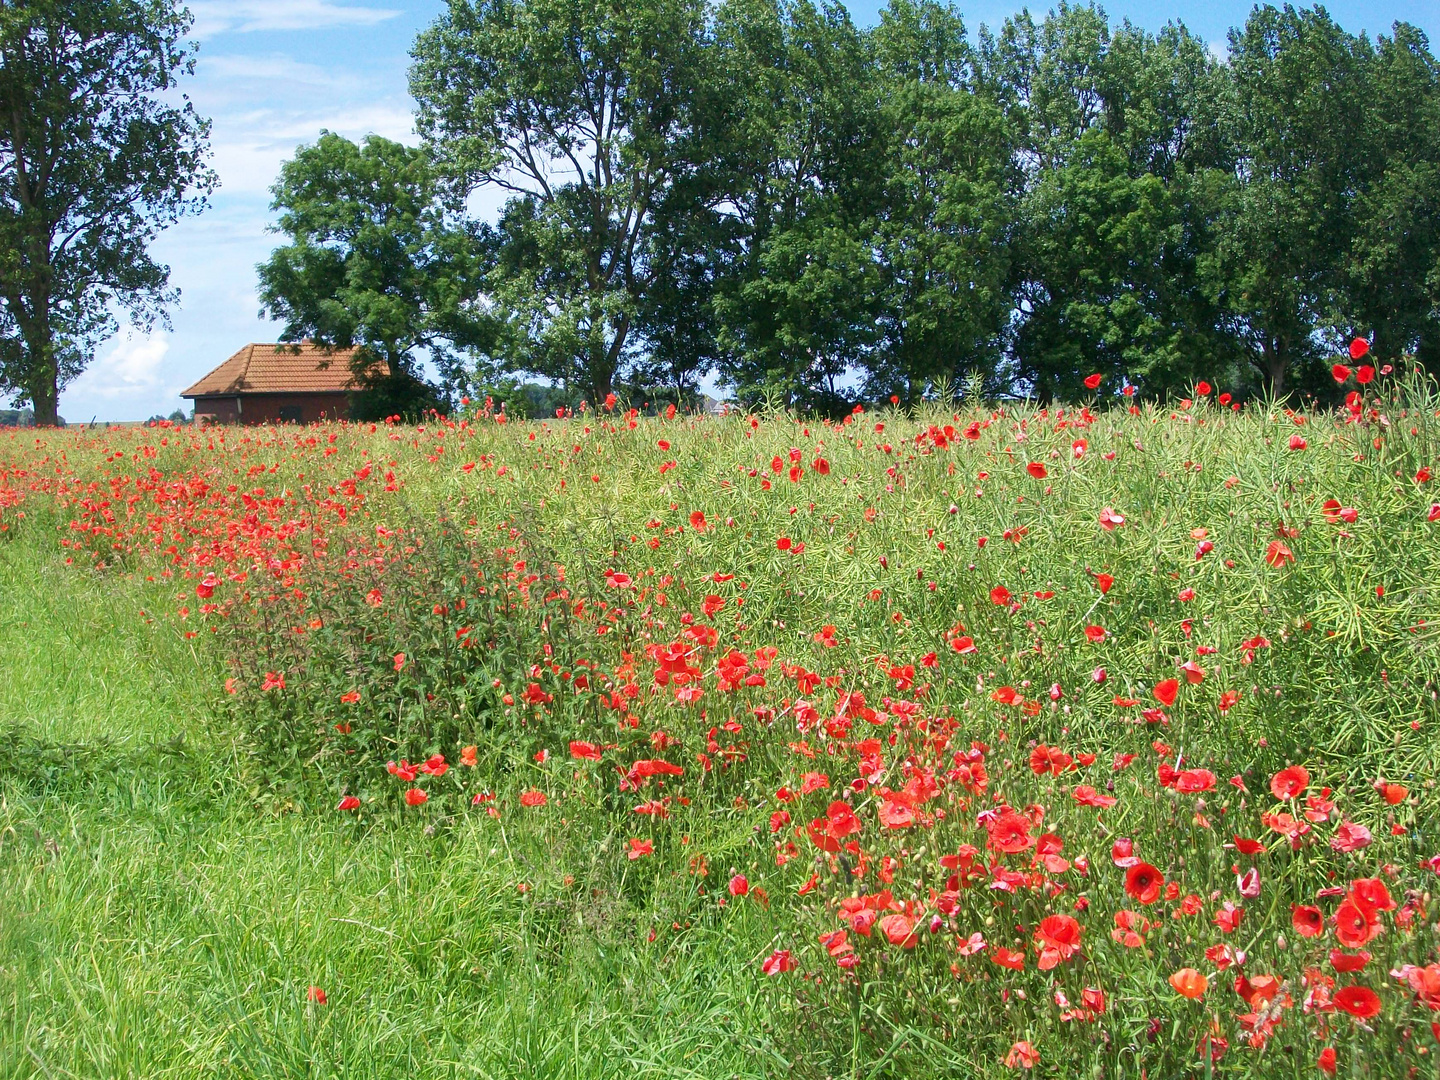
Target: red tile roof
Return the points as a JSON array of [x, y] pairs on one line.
[[281, 369]]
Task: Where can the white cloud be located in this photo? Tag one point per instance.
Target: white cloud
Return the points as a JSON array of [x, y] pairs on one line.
[[249, 148], [240, 16], [238, 78], [130, 368]]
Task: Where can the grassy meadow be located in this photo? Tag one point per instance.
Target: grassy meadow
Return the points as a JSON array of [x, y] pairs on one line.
[[1011, 700]]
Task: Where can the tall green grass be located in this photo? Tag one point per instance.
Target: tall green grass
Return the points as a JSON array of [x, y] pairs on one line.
[[165, 905]]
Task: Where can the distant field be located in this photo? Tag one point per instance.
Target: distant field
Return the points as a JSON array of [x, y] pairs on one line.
[[973, 741]]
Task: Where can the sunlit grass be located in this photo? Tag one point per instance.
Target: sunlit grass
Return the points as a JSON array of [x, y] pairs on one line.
[[170, 889]]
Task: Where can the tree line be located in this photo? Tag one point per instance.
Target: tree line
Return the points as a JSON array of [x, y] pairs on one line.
[[818, 212], [760, 191]]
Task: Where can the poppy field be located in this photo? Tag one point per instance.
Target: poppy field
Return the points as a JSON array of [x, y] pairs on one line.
[[975, 739]]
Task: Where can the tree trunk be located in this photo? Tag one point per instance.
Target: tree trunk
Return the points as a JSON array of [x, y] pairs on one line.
[[46, 403], [42, 384], [1276, 365]]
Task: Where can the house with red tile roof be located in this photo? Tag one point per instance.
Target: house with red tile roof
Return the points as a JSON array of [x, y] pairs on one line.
[[280, 383]]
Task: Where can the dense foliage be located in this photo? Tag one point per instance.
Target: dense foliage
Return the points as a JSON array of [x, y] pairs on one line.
[[95, 161], [819, 214]]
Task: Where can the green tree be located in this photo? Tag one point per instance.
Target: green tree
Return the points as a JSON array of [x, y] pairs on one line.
[[94, 163], [378, 258], [587, 115], [1296, 111], [1391, 286], [802, 157], [1116, 187], [942, 231]]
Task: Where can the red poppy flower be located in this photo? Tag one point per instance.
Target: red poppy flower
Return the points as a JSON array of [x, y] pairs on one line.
[[1359, 348], [1340, 373], [1364, 374], [1166, 690], [1057, 938], [1426, 984], [1009, 833], [1143, 883], [1351, 836], [1326, 1062], [899, 930], [584, 751], [1371, 893], [317, 995], [1037, 470], [533, 798], [1086, 795], [778, 962], [1289, 783], [1358, 1001], [1187, 982], [1354, 925], [1194, 781], [739, 885], [1122, 853], [1394, 794], [415, 796], [1347, 963], [1008, 958], [1129, 925], [1022, 1055], [640, 848], [1203, 388], [1095, 633], [1228, 917], [1092, 382], [697, 521], [1000, 596], [896, 815], [1307, 920], [349, 802], [1278, 554]]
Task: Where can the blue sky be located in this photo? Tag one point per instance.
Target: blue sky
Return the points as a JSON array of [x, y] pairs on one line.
[[272, 73]]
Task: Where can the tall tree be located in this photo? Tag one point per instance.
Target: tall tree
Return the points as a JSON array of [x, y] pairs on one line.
[[585, 114], [94, 163], [1296, 109], [379, 257], [1116, 190], [803, 160], [942, 231], [1391, 286]]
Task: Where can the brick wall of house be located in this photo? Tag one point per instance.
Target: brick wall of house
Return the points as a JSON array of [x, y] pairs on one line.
[[272, 408]]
